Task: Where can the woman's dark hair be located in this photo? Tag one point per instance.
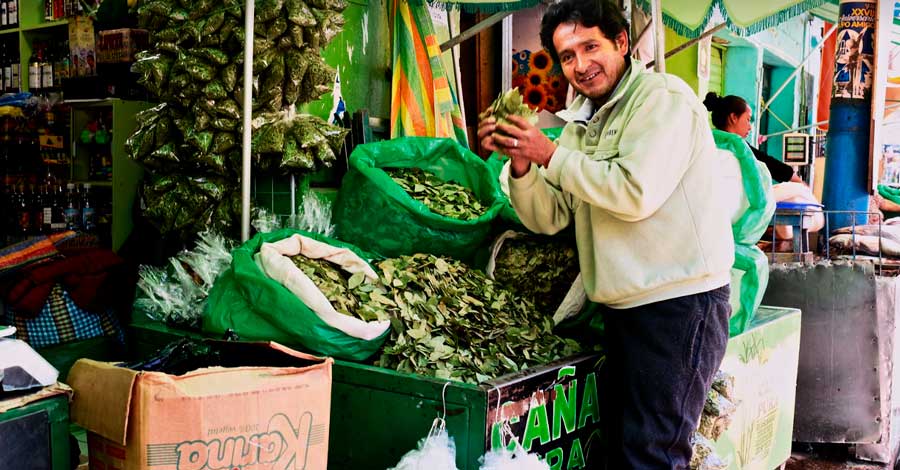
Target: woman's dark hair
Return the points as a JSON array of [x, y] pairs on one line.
[[724, 106], [601, 13]]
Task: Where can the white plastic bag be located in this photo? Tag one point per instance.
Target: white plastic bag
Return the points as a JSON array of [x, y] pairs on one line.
[[314, 215], [435, 452], [518, 459], [178, 294]]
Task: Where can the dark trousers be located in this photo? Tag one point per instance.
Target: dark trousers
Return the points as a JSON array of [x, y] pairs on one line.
[[660, 362]]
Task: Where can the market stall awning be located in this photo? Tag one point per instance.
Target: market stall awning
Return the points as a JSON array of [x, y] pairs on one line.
[[481, 6], [689, 18]]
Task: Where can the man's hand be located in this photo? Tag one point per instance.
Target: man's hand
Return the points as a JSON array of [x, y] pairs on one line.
[[486, 128], [524, 143]]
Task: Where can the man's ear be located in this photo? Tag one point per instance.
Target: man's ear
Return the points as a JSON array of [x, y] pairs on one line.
[[622, 42]]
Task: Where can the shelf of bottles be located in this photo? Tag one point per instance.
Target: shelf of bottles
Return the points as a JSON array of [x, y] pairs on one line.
[[9, 14]]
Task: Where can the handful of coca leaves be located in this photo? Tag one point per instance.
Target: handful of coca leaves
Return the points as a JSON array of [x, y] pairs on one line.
[[349, 294], [509, 103], [540, 269], [445, 198], [453, 322]]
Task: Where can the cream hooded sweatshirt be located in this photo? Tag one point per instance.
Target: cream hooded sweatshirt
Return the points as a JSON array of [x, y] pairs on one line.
[[638, 178]]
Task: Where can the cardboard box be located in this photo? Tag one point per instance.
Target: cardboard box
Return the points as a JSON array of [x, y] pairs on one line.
[[82, 47], [120, 45], [274, 415]]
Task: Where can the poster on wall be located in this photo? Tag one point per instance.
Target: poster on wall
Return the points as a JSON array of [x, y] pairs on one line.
[[892, 91], [704, 53], [854, 61], [891, 162], [538, 77]]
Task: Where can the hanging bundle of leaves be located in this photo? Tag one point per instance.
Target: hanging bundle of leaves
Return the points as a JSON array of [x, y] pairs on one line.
[[193, 67], [303, 143]]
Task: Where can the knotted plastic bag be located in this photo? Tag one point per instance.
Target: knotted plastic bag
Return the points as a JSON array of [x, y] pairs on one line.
[[435, 452], [751, 266]]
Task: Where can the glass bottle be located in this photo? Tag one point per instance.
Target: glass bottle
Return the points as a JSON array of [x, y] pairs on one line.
[[34, 69], [13, 13], [6, 63], [47, 83], [72, 212]]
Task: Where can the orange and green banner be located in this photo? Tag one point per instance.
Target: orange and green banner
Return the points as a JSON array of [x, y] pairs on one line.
[[423, 102]]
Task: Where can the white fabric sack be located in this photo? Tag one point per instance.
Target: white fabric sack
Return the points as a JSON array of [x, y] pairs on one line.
[[273, 259], [814, 220], [575, 298]]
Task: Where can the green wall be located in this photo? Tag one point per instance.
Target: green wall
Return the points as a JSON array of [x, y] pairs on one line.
[[362, 55], [683, 64], [783, 107], [742, 78]]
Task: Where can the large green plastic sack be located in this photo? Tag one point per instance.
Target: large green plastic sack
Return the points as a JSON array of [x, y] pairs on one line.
[[495, 164], [257, 307], [750, 262], [377, 215]]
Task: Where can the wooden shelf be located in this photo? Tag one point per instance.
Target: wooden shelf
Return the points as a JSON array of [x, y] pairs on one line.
[[8, 31], [92, 102], [100, 184]]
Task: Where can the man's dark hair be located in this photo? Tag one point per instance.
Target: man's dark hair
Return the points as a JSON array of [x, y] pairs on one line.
[[602, 13], [724, 106]]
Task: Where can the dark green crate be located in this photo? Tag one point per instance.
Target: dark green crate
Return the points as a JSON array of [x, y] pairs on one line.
[[377, 415], [55, 412]]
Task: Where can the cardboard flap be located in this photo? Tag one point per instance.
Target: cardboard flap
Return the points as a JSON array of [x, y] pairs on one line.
[[102, 397]]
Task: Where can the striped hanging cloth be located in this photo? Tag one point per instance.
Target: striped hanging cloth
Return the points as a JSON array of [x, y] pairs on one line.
[[422, 101]]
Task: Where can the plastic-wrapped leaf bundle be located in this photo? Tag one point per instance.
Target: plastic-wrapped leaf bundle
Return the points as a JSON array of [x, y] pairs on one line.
[[194, 65], [704, 456], [301, 142], [185, 205]]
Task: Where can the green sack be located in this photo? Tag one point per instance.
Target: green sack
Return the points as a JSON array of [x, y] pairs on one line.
[[257, 307], [375, 214], [495, 164], [750, 262]]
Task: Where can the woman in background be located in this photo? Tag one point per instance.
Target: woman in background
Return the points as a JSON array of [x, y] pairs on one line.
[[732, 114]]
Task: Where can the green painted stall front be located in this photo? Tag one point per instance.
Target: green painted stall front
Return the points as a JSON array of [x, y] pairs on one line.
[[377, 415]]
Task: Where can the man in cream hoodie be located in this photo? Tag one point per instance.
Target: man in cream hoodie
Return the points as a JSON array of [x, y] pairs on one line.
[[635, 170]]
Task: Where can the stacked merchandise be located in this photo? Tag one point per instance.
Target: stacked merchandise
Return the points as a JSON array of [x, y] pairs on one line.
[[717, 415], [191, 142]]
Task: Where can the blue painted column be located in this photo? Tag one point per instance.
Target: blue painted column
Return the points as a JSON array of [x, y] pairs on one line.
[[847, 146]]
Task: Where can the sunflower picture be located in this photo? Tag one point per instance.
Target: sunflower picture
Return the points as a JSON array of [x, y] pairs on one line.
[[540, 80]]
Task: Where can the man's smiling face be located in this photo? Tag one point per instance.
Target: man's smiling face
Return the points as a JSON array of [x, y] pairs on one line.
[[591, 62]]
